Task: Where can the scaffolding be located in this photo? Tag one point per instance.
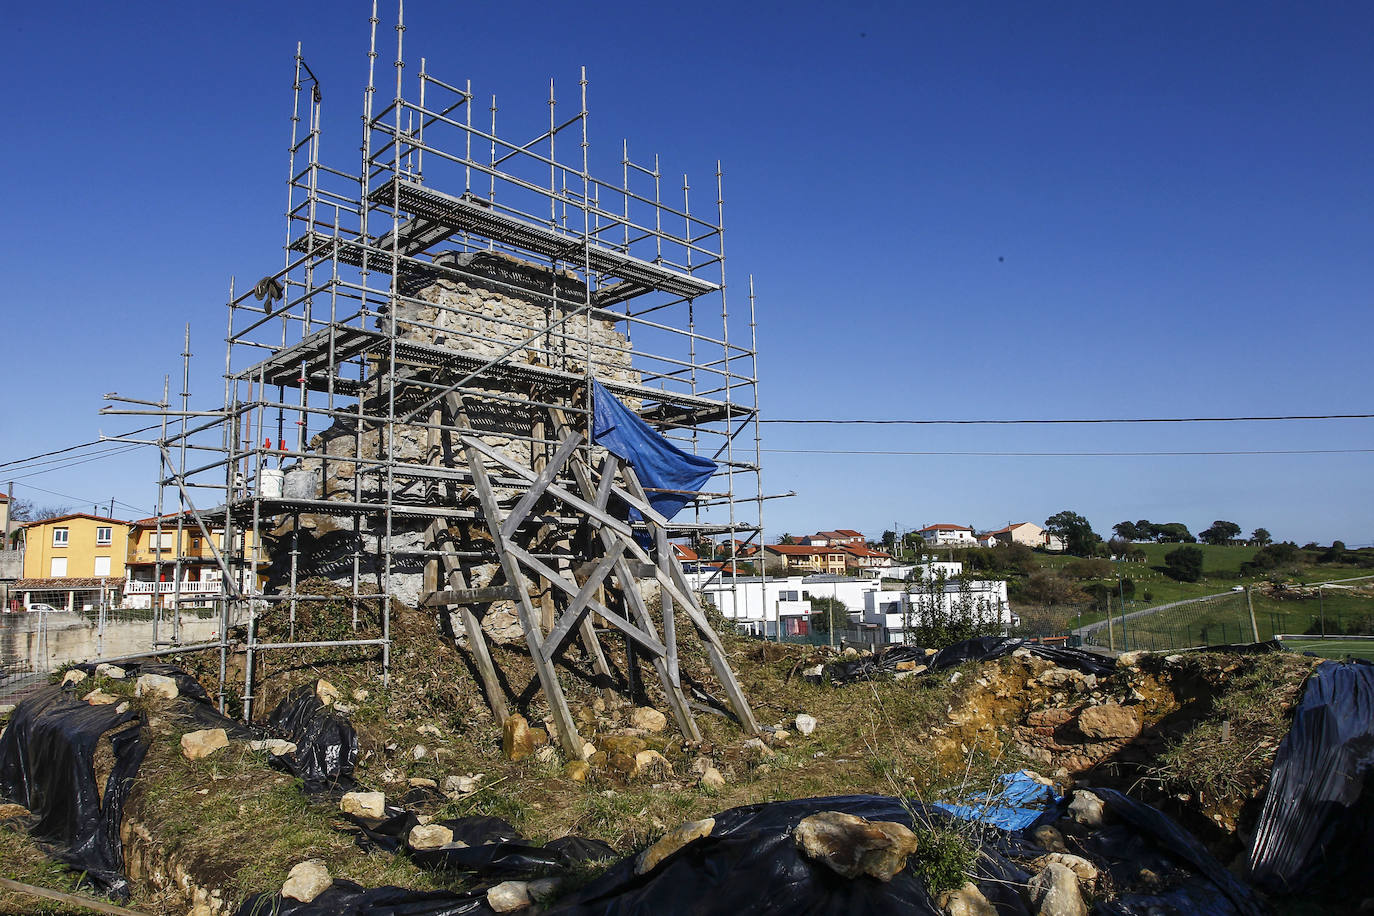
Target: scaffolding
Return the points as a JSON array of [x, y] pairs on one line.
[[407, 400]]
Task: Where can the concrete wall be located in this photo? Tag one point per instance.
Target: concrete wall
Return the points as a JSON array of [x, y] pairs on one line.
[[44, 642]]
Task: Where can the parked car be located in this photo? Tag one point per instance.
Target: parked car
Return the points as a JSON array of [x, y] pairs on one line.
[[44, 609]]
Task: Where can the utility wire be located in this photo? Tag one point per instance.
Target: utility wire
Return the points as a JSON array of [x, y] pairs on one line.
[[1295, 451], [72, 448], [1028, 422], [85, 502], [70, 464]]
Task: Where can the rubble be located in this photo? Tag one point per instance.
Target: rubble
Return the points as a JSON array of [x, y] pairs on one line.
[[852, 846]]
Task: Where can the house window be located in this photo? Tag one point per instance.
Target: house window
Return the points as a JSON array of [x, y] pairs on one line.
[[102, 536], [59, 567], [102, 565], [59, 538], [195, 543]]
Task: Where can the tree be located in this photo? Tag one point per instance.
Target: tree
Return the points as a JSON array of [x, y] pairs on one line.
[[1049, 588], [787, 539], [1173, 533], [828, 613], [1145, 530], [23, 510], [1221, 532], [1260, 537], [1128, 531], [1075, 531], [889, 541], [1184, 564]]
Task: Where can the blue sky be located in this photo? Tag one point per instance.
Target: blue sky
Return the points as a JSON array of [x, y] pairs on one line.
[[951, 211]]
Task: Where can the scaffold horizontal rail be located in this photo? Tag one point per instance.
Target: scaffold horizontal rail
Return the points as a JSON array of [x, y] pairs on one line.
[[434, 208]]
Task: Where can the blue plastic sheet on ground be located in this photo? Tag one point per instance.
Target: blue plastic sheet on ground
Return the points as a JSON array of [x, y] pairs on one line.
[[1316, 828], [1017, 805], [659, 464]]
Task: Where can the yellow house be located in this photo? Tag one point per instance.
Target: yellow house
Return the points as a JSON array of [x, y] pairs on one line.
[[153, 556], [76, 546]]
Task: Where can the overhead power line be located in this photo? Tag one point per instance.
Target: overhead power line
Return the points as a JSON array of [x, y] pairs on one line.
[[1035, 422], [1281, 451], [72, 448]]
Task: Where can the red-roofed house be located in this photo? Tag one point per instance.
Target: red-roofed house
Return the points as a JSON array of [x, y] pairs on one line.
[[864, 557], [1028, 533], [836, 538]]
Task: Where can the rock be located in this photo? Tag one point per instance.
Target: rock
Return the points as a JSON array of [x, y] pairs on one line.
[[813, 671], [6, 710], [854, 846], [431, 730], [200, 744], [9, 810], [360, 694], [419, 782], [652, 760], [588, 749], [966, 901], [514, 895], [516, 741], [1173, 659], [547, 754], [1086, 808], [99, 697], [1081, 867], [671, 842], [906, 666], [1130, 659], [577, 770], [156, 685], [539, 736], [364, 804], [781, 736], [418, 752], [114, 672], [461, 785], [327, 693], [1049, 838], [74, 676], [277, 747], [648, 719], [758, 748], [629, 745], [711, 780], [343, 709], [429, 836], [804, 724], [1054, 892], [307, 880], [1108, 721], [700, 765]]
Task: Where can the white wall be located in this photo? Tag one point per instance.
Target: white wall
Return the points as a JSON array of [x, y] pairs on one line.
[[757, 605], [892, 609]]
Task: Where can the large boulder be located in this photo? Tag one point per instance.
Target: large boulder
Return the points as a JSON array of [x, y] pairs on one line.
[[1109, 721], [1054, 892], [854, 846], [517, 740], [307, 880], [156, 685], [200, 744], [364, 804], [672, 841], [651, 720], [966, 901], [429, 836]]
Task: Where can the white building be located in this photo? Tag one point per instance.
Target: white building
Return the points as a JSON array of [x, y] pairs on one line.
[[894, 611], [1027, 533], [948, 536], [758, 606]]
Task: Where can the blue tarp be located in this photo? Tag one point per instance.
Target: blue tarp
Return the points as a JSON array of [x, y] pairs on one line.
[[1017, 805], [658, 463]]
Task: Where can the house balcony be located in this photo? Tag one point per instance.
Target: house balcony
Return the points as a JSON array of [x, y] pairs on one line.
[[170, 588]]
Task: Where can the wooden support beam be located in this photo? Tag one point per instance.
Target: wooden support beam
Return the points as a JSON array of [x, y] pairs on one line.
[[539, 485], [568, 737], [580, 603], [486, 595], [638, 634]]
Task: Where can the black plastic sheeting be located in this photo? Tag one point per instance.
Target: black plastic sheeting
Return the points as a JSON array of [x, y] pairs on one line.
[[1317, 825], [980, 649], [46, 765], [1211, 890], [326, 744], [345, 898], [750, 864]]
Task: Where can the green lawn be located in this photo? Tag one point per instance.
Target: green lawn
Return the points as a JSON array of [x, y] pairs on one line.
[[1333, 648]]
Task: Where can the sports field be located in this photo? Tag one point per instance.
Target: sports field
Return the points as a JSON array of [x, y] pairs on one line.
[[1331, 647]]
